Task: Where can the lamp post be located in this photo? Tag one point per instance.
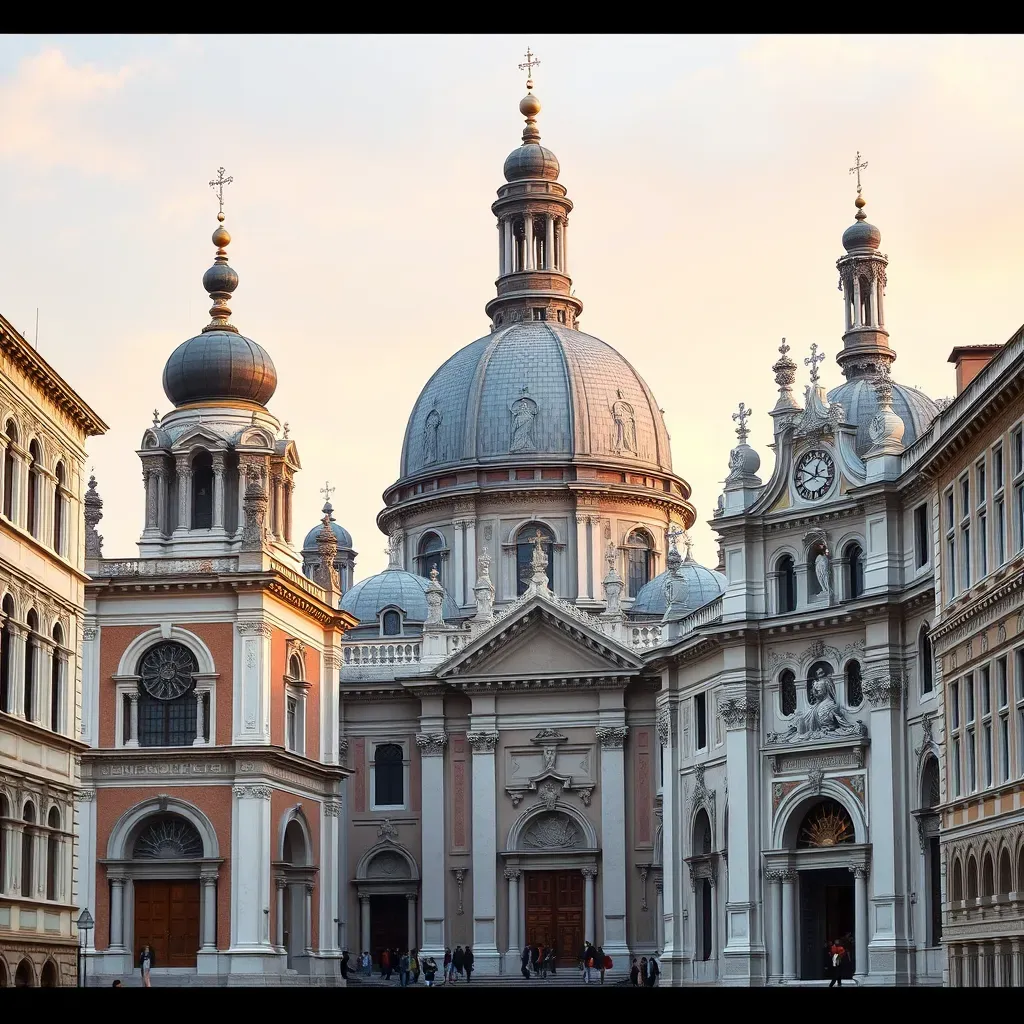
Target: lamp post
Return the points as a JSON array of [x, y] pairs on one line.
[[85, 924]]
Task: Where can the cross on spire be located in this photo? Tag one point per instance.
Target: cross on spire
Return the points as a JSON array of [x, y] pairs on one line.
[[741, 417], [784, 348], [815, 358], [327, 490], [528, 67], [218, 184], [857, 168]]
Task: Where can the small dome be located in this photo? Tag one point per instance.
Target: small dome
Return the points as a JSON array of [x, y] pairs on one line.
[[860, 403], [393, 588], [531, 160], [861, 235], [701, 585], [219, 364], [341, 535]]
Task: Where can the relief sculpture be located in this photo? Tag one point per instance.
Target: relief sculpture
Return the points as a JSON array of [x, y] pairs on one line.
[[524, 417]]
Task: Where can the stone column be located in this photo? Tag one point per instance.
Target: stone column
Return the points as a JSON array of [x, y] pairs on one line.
[[514, 947], [485, 852], [16, 670], [997, 964], [12, 842], [209, 880], [861, 937], [549, 242], [183, 468], [218, 490], [308, 941], [278, 508], [510, 265], [471, 563], [332, 910], [250, 868], [364, 923], [565, 246], [659, 925], [613, 839], [199, 741], [589, 920], [61, 725], [432, 746], [775, 943], [582, 547], [673, 820], [529, 263], [42, 668], [598, 566], [788, 924], [742, 953], [1016, 964], [501, 248], [281, 887], [458, 566], [116, 912], [133, 719], [410, 899], [152, 482], [24, 483]]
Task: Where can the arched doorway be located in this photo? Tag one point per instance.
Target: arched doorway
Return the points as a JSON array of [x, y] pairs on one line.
[[49, 977], [702, 879], [928, 824], [388, 884], [295, 875], [827, 906], [24, 977], [3, 974]]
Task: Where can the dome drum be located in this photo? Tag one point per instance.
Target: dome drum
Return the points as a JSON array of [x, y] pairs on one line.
[[539, 283]]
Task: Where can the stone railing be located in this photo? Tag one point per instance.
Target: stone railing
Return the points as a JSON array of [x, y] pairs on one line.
[[303, 582], [456, 641], [164, 566], [383, 652], [643, 637], [711, 612]]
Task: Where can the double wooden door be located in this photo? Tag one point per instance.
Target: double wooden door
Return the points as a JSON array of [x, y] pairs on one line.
[[554, 912], [167, 920]]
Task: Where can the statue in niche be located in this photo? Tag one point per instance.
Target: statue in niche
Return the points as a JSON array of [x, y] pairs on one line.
[[524, 417], [550, 754], [625, 425], [430, 429], [822, 571], [824, 718]]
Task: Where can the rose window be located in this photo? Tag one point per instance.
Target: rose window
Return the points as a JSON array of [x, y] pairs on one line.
[[166, 671]]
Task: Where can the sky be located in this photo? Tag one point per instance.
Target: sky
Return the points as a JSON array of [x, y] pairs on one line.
[[710, 177]]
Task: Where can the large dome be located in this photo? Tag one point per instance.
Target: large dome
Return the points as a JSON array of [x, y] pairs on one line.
[[860, 403], [535, 390], [393, 588], [219, 364]]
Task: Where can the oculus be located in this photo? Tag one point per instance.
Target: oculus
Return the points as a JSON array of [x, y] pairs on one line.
[[815, 474], [165, 671]]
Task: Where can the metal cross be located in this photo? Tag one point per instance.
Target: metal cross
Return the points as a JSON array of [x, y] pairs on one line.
[[816, 357], [529, 65], [156, 417], [741, 417], [857, 168], [327, 490], [218, 183]]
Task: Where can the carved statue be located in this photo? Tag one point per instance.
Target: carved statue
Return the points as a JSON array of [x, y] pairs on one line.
[[822, 570], [524, 415], [625, 425], [825, 717], [430, 435], [550, 753]]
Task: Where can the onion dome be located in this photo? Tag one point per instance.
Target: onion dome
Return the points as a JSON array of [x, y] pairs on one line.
[[861, 235], [219, 363], [343, 537]]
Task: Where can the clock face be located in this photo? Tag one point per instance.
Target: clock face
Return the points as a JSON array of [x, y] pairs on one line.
[[814, 475]]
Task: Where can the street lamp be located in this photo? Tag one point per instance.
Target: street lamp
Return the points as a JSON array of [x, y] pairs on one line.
[[85, 925]]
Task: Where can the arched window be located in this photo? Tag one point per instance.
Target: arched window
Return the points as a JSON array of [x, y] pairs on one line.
[[167, 700], [703, 843], [430, 553], [12, 434], [972, 878], [31, 653], [58, 510], [785, 569], [202, 490], [958, 882], [34, 483], [826, 824], [6, 637], [23, 977], [787, 692], [525, 547], [924, 652], [295, 668], [56, 680], [27, 874], [1005, 875], [389, 776], [640, 553], [854, 571], [854, 686], [52, 853], [391, 623], [988, 876], [294, 847], [865, 300]]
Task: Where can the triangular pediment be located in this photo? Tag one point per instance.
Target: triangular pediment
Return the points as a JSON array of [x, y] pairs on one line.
[[541, 640]]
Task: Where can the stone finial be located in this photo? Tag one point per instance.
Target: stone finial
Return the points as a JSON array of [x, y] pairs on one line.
[[93, 514], [612, 584], [435, 599], [673, 560], [254, 507], [484, 590], [886, 428], [539, 563], [785, 377], [326, 572]]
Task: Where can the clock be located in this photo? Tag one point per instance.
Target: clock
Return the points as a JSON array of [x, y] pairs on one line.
[[815, 473]]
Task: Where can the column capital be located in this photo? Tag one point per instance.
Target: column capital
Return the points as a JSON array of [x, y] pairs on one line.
[[665, 726], [208, 877], [780, 875], [251, 792], [431, 744], [858, 871], [280, 881], [482, 742], [512, 873], [612, 737], [411, 897], [332, 808], [659, 885], [361, 895], [309, 888], [116, 879], [133, 696], [589, 872], [884, 691], [740, 711]]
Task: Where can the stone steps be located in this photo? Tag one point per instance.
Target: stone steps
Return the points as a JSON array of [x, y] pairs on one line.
[[216, 981], [563, 979]]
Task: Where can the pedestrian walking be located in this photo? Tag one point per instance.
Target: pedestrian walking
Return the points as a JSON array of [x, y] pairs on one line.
[[603, 962], [458, 961], [429, 971], [446, 967], [344, 965], [467, 960], [146, 962], [525, 962], [414, 966], [634, 973]]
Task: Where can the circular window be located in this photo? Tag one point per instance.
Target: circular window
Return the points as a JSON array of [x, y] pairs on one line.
[[166, 670]]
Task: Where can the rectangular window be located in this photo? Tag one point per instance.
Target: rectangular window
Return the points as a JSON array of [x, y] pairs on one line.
[[1018, 516], [1018, 672], [700, 713], [950, 518], [1002, 695], [921, 535], [1004, 748], [954, 704], [986, 691], [982, 545], [965, 547], [1017, 446], [965, 496], [957, 772], [291, 714], [969, 698], [1000, 528], [997, 469], [979, 480], [661, 768], [987, 753], [951, 563], [388, 772], [972, 763]]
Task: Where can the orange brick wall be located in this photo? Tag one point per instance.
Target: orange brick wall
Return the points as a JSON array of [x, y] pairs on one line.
[[220, 638], [213, 801], [280, 803], [113, 641], [278, 670]]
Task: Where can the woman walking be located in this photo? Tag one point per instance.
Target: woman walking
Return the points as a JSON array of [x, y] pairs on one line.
[[146, 961], [467, 960]]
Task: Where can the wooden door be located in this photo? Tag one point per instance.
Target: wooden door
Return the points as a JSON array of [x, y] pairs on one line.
[[570, 920], [167, 920], [554, 912]]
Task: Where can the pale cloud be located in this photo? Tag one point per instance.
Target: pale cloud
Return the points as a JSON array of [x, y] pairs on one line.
[[44, 120]]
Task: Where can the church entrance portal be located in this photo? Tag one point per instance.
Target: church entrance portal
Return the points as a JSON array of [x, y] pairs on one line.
[[826, 914], [554, 912], [389, 923], [167, 920]]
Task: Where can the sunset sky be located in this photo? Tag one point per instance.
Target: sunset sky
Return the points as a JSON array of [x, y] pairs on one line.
[[711, 189]]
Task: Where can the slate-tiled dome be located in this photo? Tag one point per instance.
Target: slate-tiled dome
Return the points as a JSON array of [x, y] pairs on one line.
[[860, 403], [393, 588], [341, 535], [576, 387], [700, 586], [219, 364]]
